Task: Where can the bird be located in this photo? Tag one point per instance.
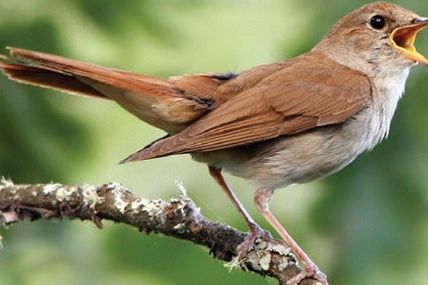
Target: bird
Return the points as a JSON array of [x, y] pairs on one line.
[[276, 124]]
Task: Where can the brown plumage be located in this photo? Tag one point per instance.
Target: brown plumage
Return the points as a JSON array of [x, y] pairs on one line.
[[287, 101]]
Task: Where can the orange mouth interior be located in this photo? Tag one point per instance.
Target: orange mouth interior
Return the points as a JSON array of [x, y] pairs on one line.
[[403, 39]]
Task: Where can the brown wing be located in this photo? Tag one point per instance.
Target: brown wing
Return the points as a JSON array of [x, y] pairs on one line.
[[309, 92]]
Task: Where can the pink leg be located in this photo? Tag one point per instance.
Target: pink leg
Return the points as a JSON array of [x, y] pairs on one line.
[[262, 198], [255, 230]]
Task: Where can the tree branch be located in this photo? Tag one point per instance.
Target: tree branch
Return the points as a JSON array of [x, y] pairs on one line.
[[179, 218]]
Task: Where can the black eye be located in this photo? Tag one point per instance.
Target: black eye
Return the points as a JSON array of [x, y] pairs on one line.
[[377, 22]]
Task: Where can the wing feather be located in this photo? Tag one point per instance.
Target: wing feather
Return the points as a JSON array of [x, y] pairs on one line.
[[311, 92]]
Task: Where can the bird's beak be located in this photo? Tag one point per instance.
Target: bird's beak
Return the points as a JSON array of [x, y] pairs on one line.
[[403, 38]]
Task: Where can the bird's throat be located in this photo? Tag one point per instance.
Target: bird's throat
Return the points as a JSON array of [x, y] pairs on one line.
[[390, 88]]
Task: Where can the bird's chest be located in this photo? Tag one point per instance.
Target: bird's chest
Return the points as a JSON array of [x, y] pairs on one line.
[[369, 127], [374, 123]]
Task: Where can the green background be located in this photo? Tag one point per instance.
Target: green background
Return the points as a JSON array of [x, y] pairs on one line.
[[366, 225]]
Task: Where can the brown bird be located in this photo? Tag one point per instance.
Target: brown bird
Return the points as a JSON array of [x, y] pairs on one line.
[[275, 124]]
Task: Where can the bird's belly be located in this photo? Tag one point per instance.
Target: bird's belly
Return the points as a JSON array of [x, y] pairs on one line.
[[303, 158], [294, 159]]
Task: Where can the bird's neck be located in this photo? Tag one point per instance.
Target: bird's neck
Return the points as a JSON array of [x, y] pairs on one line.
[[373, 62]]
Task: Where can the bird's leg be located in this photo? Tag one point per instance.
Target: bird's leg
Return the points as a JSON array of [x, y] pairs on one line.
[[255, 229], [310, 269]]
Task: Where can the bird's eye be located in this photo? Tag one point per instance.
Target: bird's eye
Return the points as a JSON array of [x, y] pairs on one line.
[[378, 22]]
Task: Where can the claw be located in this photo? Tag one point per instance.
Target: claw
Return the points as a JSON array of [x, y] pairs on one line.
[[255, 232], [309, 271]]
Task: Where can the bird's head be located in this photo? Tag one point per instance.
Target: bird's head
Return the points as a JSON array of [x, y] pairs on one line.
[[377, 35]]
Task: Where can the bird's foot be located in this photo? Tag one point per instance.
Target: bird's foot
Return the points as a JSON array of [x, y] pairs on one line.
[[255, 232], [310, 270]]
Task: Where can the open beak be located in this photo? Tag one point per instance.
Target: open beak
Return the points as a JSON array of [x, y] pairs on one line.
[[403, 39]]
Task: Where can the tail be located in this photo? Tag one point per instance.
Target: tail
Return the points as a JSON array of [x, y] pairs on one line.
[[45, 78], [169, 104]]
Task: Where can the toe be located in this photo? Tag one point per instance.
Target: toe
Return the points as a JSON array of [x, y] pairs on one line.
[[312, 272]]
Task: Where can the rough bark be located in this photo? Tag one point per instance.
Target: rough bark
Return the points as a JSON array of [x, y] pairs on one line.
[[178, 218]]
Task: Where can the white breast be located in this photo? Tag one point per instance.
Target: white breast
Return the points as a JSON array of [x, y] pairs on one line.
[[389, 90]]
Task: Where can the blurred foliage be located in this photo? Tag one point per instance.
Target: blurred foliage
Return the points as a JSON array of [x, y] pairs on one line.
[[368, 225]]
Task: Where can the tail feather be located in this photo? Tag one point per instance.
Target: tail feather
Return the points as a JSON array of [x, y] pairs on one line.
[[168, 104], [46, 78], [110, 76], [159, 102]]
